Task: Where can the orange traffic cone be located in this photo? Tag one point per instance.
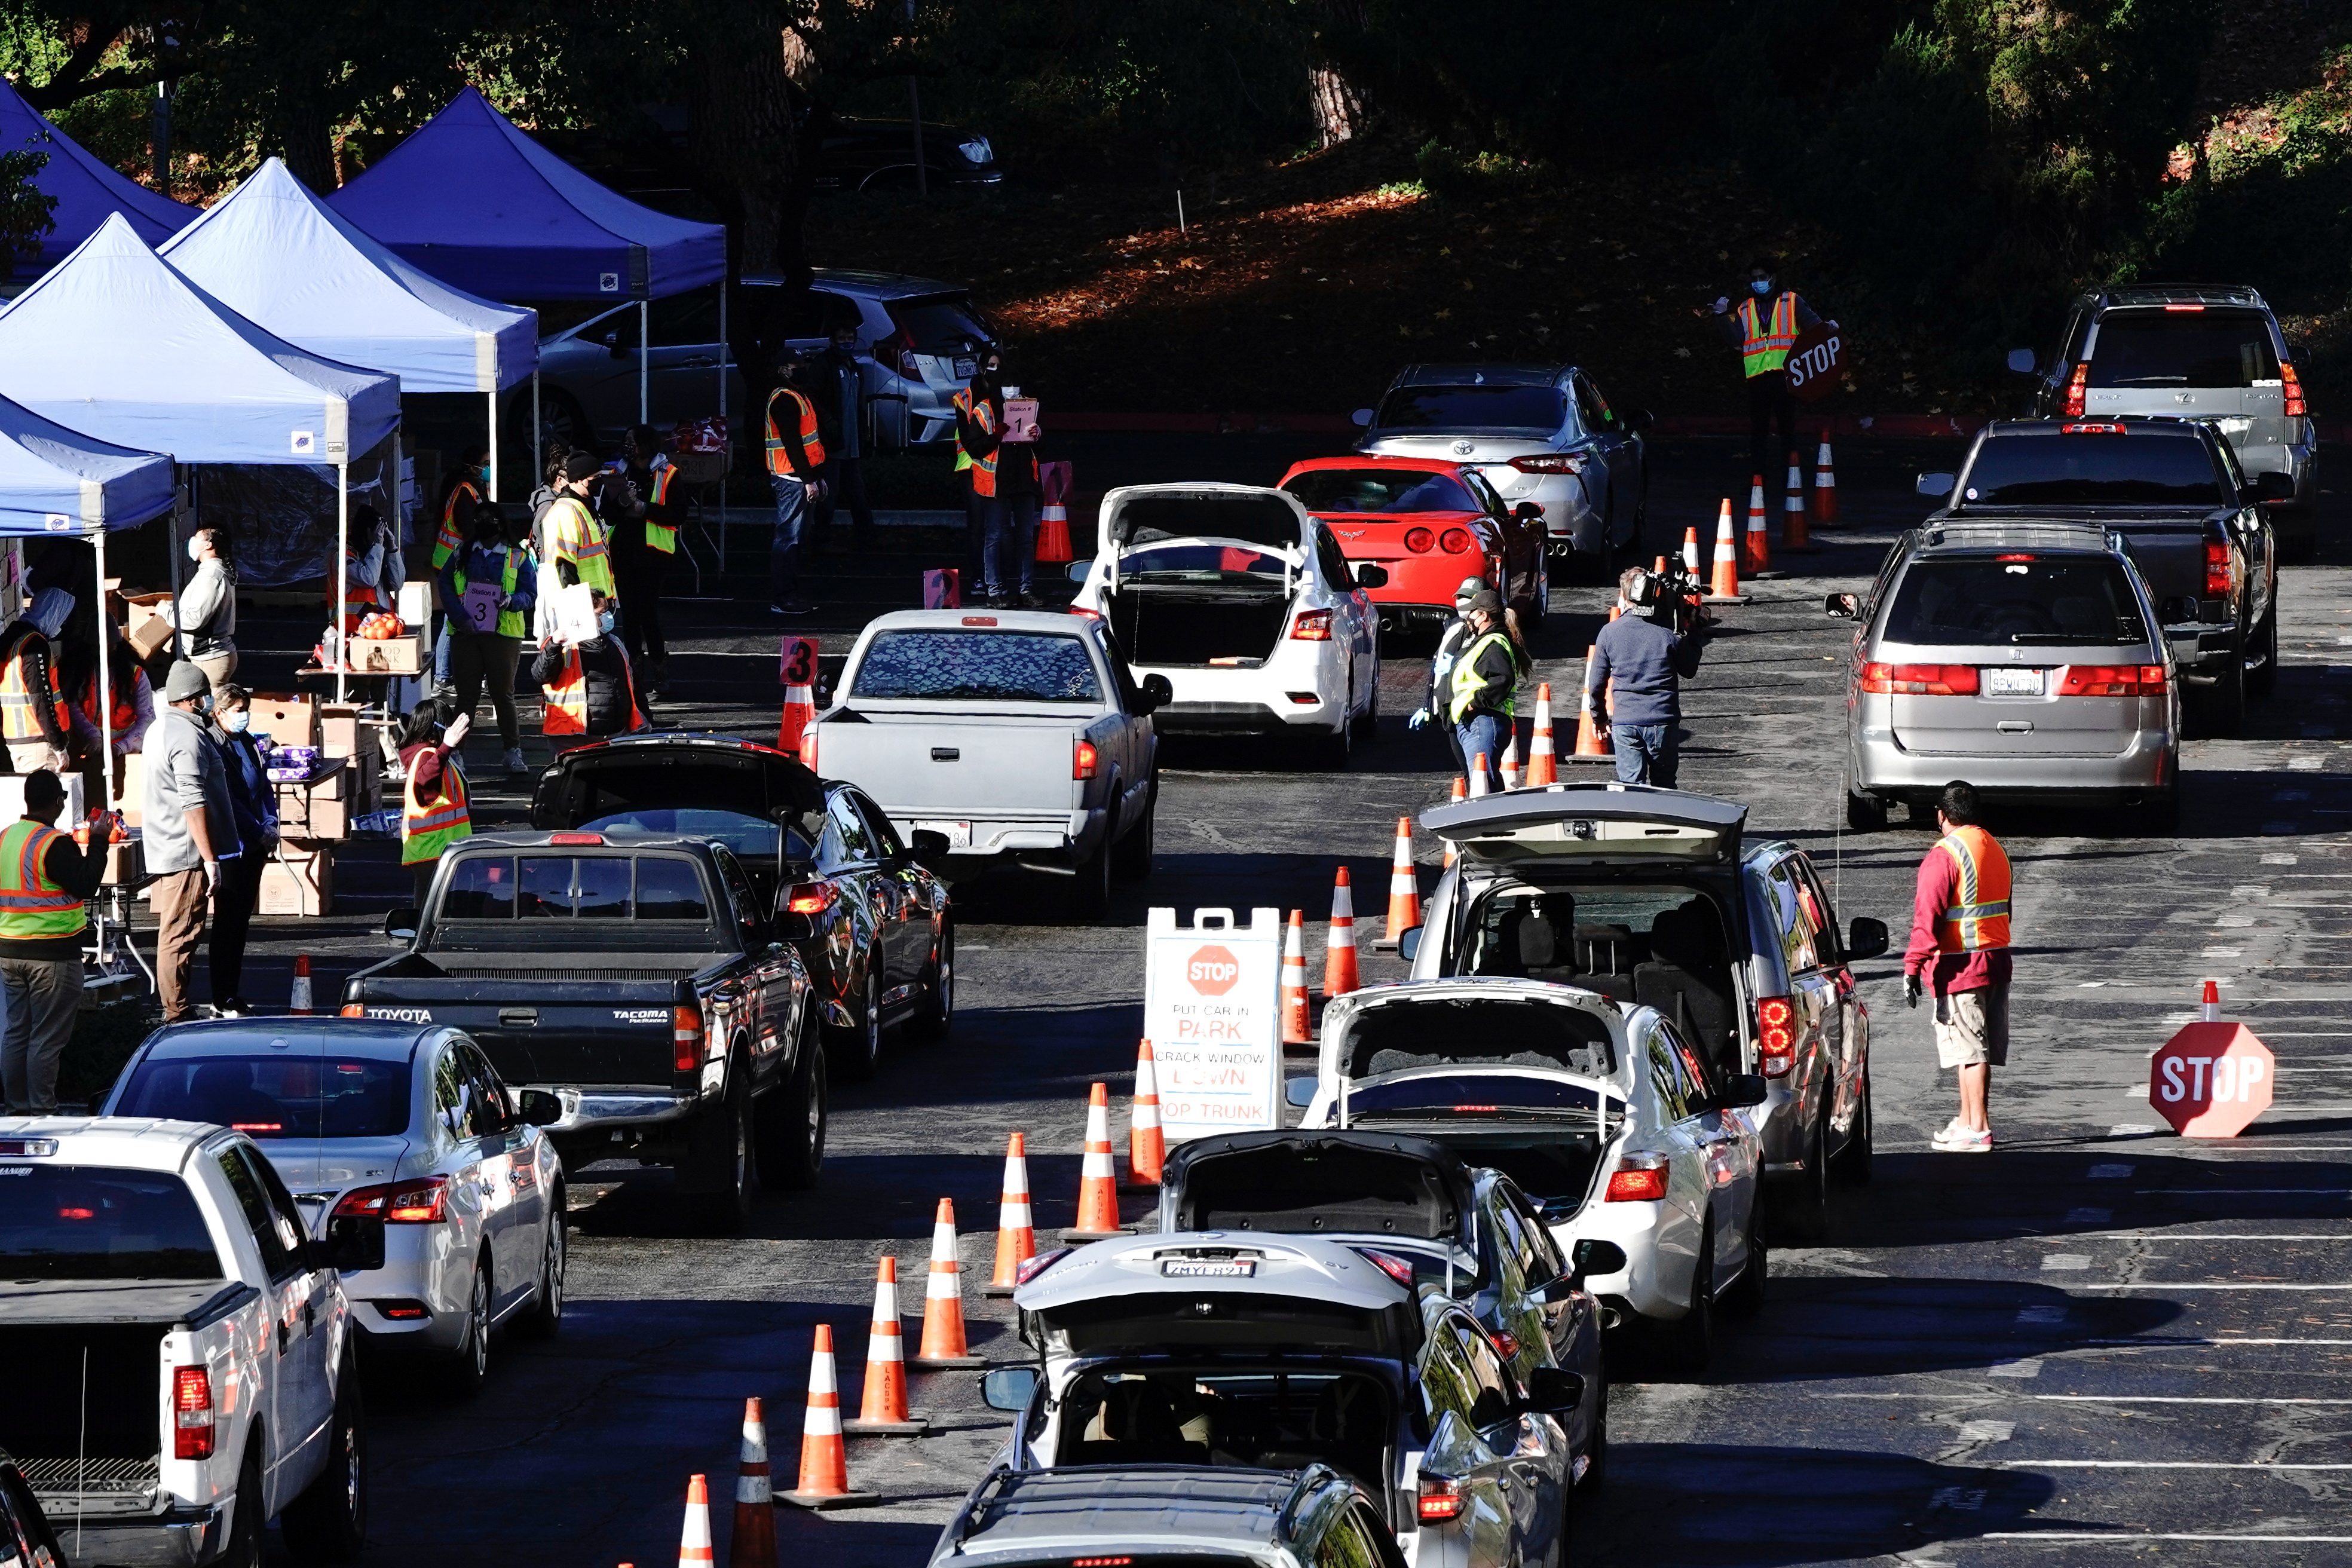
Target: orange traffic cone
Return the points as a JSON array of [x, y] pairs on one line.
[[1660, 567], [1590, 747], [752, 1544], [1792, 508], [1690, 550], [1054, 520], [1461, 794], [1511, 760], [694, 1541], [1725, 587], [1756, 553], [2210, 1009], [1824, 486], [883, 1410], [1098, 1182], [824, 1464], [1543, 764], [1296, 1025], [1016, 1233], [799, 672], [1478, 775], [1147, 1149], [298, 995], [943, 1338], [1404, 888], [1339, 942]]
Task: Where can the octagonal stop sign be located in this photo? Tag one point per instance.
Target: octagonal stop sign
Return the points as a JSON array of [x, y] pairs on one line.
[[2210, 1080], [1213, 970]]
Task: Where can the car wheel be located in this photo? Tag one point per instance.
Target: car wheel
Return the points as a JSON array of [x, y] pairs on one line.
[[935, 1012], [471, 1367], [789, 1125], [1864, 812], [562, 421], [1089, 895], [243, 1549], [328, 1523], [720, 1163], [1690, 1341], [858, 1049], [1804, 1201], [545, 1315], [1130, 857], [1331, 751], [1852, 1166], [1745, 1297], [2262, 681], [1540, 592]]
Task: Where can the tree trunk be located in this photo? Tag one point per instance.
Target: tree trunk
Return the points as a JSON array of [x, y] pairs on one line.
[[306, 138], [743, 140], [1338, 107]]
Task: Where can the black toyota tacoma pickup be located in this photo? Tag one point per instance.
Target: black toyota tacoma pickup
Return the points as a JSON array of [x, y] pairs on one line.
[[2190, 517], [638, 979]]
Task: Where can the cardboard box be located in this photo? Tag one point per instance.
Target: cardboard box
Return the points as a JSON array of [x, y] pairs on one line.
[[288, 719], [319, 808], [405, 654], [338, 729], [300, 880], [148, 630]]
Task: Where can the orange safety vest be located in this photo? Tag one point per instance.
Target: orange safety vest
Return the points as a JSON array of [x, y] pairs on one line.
[[31, 906], [426, 830], [20, 706], [1980, 919], [126, 711], [445, 542], [660, 533], [778, 463], [984, 469], [567, 698], [1762, 351]]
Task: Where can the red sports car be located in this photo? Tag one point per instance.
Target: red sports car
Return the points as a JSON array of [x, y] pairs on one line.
[[1431, 523]]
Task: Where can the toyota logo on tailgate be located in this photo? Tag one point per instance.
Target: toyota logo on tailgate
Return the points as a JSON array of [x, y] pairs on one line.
[[1464, 448]]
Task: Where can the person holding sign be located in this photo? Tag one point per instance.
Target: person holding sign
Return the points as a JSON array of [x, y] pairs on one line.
[[1762, 326], [433, 812], [1005, 476], [1959, 945], [589, 689], [491, 582]]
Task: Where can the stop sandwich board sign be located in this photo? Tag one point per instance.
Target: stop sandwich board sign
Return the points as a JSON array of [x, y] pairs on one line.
[[2210, 1080], [1816, 363]]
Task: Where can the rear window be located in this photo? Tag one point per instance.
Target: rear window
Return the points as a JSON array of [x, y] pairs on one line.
[[2183, 348], [978, 667], [1480, 1032], [581, 886], [1485, 1094], [2137, 467], [1531, 410], [2016, 600], [1378, 490], [274, 1095], [1245, 519], [80, 1222], [940, 323], [1199, 563]]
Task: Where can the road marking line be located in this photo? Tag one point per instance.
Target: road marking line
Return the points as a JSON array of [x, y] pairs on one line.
[[2242, 1192], [2199, 1236], [2125, 1537], [2162, 1465], [2217, 1285], [2031, 1368], [1993, 1431], [2056, 1261]]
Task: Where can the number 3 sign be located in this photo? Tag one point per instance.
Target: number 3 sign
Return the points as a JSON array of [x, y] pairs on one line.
[[796, 668]]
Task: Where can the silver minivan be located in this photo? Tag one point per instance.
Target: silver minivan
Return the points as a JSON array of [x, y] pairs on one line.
[[2025, 657]]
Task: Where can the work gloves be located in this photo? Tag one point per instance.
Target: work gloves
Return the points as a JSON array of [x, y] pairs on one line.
[[1911, 991]]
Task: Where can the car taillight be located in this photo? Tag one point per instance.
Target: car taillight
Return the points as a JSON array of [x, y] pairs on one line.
[[807, 899], [192, 1413], [1548, 463], [808, 748], [417, 1201], [1921, 679], [1312, 626], [1776, 1040], [1442, 1498], [1504, 1340], [1455, 541], [352, 1010], [362, 1203], [2220, 569], [1081, 610], [901, 349], [686, 1032], [1638, 1179], [2112, 680], [594, 840], [1084, 760], [2075, 383], [2295, 405], [1033, 1266], [1389, 1264], [1420, 541]]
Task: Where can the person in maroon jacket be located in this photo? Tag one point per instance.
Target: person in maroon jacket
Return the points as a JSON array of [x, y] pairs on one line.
[[1960, 945]]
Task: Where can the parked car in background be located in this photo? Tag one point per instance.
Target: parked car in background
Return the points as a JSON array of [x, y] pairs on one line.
[[1428, 524], [2204, 352], [401, 1137], [920, 339], [1245, 604], [1312, 1517], [861, 155], [1543, 434]]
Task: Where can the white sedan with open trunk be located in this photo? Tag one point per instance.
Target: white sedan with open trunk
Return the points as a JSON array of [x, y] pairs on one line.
[[1243, 601]]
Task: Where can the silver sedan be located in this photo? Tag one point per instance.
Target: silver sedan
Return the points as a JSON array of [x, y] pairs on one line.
[[404, 1134]]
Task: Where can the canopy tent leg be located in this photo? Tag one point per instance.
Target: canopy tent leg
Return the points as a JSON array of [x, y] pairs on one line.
[[172, 531], [340, 641], [105, 695], [645, 361], [727, 447], [538, 464], [494, 446]]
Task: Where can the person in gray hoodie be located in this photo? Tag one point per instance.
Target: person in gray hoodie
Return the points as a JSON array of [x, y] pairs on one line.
[[206, 612], [188, 828]]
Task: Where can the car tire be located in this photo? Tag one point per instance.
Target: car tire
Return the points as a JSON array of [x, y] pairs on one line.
[[1853, 1163], [560, 418], [243, 1549], [856, 1051], [544, 1318], [1802, 1212], [721, 1163], [469, 1366], [1745, 1297], [328, 1522], [1130, 857], [935, 1007], [789, 1125], [1090, 889], [1690, 1340], [2262, 681], [1540, 592], [1865, 812], [1331, 751]]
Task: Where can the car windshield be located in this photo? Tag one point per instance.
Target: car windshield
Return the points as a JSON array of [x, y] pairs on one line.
[[977, 666], [1474, 1095], [82, 1222], [274, 1094], [1281, 1417], [1502, 410], [940, 323], [2183, 348], [1199, 563], [2122, 464], [2015, 599], [1377, 489]]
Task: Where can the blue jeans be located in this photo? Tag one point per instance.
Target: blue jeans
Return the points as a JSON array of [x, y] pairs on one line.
[[784, 550], [1645, 753], [441, 655], [1011, 555], [1484, 734]]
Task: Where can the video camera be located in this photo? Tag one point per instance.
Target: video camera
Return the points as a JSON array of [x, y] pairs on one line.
[[1671, 597]]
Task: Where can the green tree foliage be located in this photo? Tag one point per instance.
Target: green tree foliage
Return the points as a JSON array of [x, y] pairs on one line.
[[24, 210]]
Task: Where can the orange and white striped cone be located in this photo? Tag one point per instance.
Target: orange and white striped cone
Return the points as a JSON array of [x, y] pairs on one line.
[[753, 1542], [1098, 1182], [1793, 536], [1147, 1148], [1053, 517], [1824, 486], [1461, 794], [883, 1410], [1755, 553], [1016, 1231], [1404, 888], [694, 1541], [1339, 942], [1690, 552], [800, 707], [298, 995], [1478, 775], [1724, 588], [1298, 1026], [1591, 745], [824, 1463], [1543, 762], [943, 1339], [1511, 769], [2209, 1010]]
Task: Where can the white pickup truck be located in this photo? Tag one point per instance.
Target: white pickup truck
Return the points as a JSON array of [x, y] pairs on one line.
[[178, 1353]]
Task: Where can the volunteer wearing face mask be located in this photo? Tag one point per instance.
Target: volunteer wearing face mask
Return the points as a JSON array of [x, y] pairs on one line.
[[35, 719], [589, 689], [128, 704], [187, 829], [253, 800], [206, 612], [469, 485], [434, 812], [494, 579], [1441, 670], [1761, 326]]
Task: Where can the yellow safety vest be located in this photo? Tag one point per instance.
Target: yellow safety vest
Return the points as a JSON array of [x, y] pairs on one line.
[[446, 542], [31, 905], [573, 535], [1980, 919], [426, 830], [660, 535], [1762, 351], [810, 445], [1468, 682], [509, 621]]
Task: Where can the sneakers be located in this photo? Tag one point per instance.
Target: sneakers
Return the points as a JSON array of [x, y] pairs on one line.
[[516, 767], [792, 607], [1959, 1139], [1024, 600]]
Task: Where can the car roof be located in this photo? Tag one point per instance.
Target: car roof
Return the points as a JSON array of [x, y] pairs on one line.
[[130, 1143], [2163, 427], [1544, 823], [2128, 295], [860, 281], [1341, 1012], [1474, 374], [2017, 533], [1296, 1265], [376, 1039], [1082, 1509], [1376, 460]]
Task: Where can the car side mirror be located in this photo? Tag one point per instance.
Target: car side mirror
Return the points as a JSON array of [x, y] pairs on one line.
[[1933, 484], [1844, 606], [1743, 1089], [1552, 1391], [1008, 1388], [1594, 1257], [2180, 607], [1370, 576], [612, 342], [1363, 417], [2274, 484], [401, 924], [1298, 1093], [928, 845], [537, 1108], [1156, 692], [1528, 511], [1865, 938], [1409, 943], [2022, 360], [1081, 570]]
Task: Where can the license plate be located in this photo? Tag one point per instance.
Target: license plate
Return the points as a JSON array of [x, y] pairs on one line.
[[1208, 1267], [2013, 682], [966, 369], [959, 834]]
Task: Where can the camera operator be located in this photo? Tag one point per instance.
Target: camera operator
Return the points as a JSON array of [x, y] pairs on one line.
[[1647, 654]]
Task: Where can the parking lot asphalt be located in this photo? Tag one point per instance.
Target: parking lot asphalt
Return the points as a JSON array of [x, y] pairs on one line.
[[2098, 1341]]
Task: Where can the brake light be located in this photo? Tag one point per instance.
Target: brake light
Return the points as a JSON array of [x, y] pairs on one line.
[[1638, 1179], [1921, 679], [362, 1203], [1083, 759], [593, 839], [352, 1010], [417, 1201], [1081, 610], [1100, 1562], [2074, 408], [2295, 408], [2184, 307], [685, 1033], [1420, 541], [1312, 626], [2220, 569], [1455, 541], [1389, 1264], [192, 1413], [1442, 1498], [2112, 680], [1548, 463], [1776, 1040], [1504, 1340], [2012, 558], [2095, 428], [1033, 1266], [808, 898]]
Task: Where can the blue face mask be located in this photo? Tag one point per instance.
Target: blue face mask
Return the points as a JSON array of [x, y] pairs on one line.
[[234, 723], [605, 621], [1761, 285]]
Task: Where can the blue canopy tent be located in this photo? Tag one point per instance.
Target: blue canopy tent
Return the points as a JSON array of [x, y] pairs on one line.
[[113, 342], [87, 188], [285, 262]]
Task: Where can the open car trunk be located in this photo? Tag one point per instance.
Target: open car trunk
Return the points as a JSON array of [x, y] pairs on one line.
[[1199, 624], [1316, 1183]]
